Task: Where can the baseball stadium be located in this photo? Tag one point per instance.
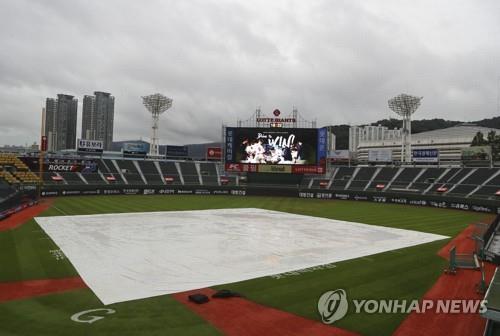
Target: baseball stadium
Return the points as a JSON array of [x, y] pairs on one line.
[[269, 234]]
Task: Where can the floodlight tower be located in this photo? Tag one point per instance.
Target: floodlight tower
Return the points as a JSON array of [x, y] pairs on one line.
[[405, 105], [156, 104]]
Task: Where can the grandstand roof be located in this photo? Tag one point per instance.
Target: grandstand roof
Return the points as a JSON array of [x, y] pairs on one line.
[[460, 131]]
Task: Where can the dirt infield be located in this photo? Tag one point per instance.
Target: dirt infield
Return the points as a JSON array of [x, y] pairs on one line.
[[25, 215], [459, 286], [241, 317], [26, 289]]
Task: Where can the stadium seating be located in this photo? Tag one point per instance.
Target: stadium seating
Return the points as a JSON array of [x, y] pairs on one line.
[[472, 181], [111, 173], [342, 177], [170, 172], [451, 178], [150, 172], [428, 177], [52, 178], [208, 173], [8, 177], [189, 173], [27, 177], [130, 172], [93, 178], [383, 178], [306, 179], [481, 183], [228, 180], [489, 188], [405, 178], [18, 171], [71, 178], [361, 179]]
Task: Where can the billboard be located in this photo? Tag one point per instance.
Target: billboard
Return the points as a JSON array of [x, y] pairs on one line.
[[214, 153], [90, 146], [177, 151], [61, 165], [44, 143], [134, 149], [476, 153], [257, 149], [380, 155], [342, 155], [425, 155]]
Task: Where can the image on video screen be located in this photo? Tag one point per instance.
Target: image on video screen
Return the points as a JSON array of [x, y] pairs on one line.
[[271, 146]]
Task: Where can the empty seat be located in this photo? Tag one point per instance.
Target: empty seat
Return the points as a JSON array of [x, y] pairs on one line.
[[341, 178], [189, 173], [361, 179]]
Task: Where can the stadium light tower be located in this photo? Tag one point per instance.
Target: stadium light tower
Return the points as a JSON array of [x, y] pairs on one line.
[[156, 104], [405, 105]]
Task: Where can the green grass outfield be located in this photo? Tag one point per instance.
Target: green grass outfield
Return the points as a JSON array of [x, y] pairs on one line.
[[405, 274]]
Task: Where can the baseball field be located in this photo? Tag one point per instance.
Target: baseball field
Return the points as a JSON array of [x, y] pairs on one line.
[[28, 256]]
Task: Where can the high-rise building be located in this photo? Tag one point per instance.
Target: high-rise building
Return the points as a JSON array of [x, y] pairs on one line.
[[60, 122], [98, 117]]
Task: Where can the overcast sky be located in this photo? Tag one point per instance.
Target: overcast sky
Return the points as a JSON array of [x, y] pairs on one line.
[[337, 61]]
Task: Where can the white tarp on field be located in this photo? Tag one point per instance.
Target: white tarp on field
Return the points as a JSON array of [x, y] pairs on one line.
[[132, 256]]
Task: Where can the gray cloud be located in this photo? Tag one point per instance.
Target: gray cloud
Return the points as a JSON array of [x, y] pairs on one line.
[[338, 61]]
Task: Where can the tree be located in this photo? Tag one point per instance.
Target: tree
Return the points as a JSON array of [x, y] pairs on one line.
[[478, 140], [491, 137]]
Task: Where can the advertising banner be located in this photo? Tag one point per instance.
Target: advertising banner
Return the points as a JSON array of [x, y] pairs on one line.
[[342, 155], [214, 153], [44, 143], [425, 155], [90, 146], [61, 165], [177, 151], [380, 155]]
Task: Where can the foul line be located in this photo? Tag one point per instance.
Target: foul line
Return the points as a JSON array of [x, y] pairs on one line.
[[64, 213]]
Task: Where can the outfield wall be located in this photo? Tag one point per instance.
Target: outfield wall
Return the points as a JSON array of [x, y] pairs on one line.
[[486, 206]]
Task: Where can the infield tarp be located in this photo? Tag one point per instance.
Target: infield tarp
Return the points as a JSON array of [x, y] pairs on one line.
[[132, 256]]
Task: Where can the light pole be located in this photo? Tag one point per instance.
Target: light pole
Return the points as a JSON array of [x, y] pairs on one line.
[[405, 105], [156, 105]]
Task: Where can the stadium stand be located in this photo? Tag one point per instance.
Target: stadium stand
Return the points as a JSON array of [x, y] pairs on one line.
[[53, 178], [15, 171], [489, 188], [454, 176], [428, 178], [170, 172], [94, 178], [383, 178], [341, 177], [320, 183], [130, 172], [111, 175], [8, 177], [228, 180], [362, 177], [465, 183], [306, 180], [208, 172], [71, 178], [189, 173], [405, 178], [472, 181], [150, 172]]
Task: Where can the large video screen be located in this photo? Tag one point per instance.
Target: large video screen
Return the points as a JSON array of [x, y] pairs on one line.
[[251, 148]]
